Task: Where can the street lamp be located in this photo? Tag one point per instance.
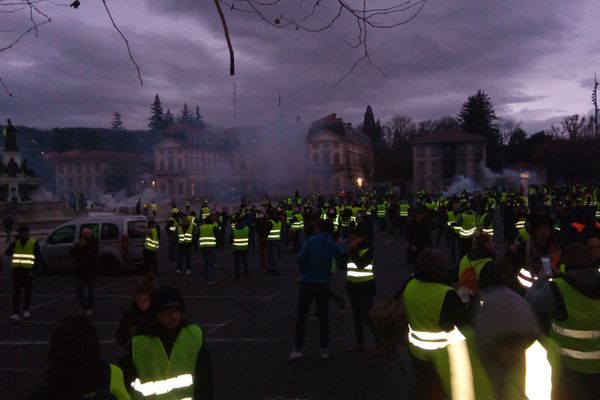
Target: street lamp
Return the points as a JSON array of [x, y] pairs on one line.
[[153, 182], [359, 182]]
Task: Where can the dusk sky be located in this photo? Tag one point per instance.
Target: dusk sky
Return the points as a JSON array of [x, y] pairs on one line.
[[536, 60]]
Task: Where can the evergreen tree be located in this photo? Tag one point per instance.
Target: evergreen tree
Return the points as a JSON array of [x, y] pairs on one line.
[[198, 119], [185, 117], [368, 125], [117, 123], [168, 120], [156, 120], [477, 116]]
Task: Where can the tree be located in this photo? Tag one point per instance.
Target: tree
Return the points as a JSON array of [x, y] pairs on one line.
[[198, 121], [574, 127], [185, 116], [157, 118], [477, 116], [117, 123], [168, 120], [399, 129], [506, 129], [372, 128]]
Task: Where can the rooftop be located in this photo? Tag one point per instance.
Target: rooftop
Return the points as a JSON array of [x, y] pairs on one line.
[[449, 136], [336, 125]]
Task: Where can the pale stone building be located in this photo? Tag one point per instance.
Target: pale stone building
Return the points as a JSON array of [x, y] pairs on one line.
[[440, 157]]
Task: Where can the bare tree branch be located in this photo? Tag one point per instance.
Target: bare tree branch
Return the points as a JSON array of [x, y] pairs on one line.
[[5, 88], [227, 38], [125, 40]]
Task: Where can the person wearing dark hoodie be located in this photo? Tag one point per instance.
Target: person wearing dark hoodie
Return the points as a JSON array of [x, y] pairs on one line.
[[168, 352], [136, 313], [76, 370], [572, 302]]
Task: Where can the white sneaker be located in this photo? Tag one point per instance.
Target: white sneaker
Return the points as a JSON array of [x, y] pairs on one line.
[[324, 354], [88, 313], [296, 355], [26, 314], [188, 272], [15, 317], [177, 272]]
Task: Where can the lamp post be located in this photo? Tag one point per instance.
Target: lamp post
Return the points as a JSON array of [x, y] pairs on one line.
[[359, 182], [153, 182]]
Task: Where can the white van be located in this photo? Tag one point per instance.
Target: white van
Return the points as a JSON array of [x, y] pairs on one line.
[[120, 241]]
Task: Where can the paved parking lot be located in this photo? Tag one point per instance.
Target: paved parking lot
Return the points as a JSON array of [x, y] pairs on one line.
[[248, 326]]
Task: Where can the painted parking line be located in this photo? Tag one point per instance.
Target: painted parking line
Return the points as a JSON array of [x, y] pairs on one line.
[[219, 326], [63, 298]]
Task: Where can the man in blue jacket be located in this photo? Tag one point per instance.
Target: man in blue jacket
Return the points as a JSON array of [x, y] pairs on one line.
[[315, 261]]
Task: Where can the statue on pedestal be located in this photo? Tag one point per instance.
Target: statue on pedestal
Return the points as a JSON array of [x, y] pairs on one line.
[[10, 137]]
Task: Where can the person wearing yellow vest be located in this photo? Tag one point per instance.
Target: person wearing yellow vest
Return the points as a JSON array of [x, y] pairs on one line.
[[360, 287], [151, 245], [296, 228], [240, 239], [435, 312], [169, 358], [75, 367], [572, 302], [478, 270], [274, 243], [154, 208], [185, 232], [171, 229], [466, 223], [381, 215], [208, 248], [25, 253]]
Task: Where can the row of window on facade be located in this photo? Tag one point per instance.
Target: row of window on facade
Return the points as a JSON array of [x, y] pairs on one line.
[[325, 145], [324, 157], [437, 150], [435, 167], [90, 182], [78, 168]]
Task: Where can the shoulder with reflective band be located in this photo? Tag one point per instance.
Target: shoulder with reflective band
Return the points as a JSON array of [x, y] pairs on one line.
[[241, 238], [151, 242], [24, 256], [207, 236]]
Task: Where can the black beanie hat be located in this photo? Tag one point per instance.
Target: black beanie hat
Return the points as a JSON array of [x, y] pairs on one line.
[[165, 297]]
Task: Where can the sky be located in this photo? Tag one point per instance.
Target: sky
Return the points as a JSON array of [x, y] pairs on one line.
[[536, 60]]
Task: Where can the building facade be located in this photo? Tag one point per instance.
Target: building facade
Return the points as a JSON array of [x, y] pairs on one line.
[[440, 157], [95, 173], [339, 157]]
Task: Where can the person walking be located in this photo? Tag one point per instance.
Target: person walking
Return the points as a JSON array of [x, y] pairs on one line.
[[75, 368], [168, 348], [85, 253], [314, 261], [208, 248], [239, 238], [184, 245], [151, 245], [25, 253]]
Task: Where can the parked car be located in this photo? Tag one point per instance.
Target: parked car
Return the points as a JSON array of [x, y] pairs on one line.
[[120, 242]]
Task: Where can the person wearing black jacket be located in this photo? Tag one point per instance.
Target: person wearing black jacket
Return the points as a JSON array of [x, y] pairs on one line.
[[136, 313], [85, 253], [179, 340]]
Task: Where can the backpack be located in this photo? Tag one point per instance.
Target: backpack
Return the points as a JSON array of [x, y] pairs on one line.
[[390, 321]]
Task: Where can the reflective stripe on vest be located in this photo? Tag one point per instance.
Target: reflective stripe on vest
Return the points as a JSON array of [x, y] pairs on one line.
[[404, 209], [184, 237], [298, 224], [468, 225], [381, 208], [461, 373], [207, 236], [538, 373], [166, 376], [275, 233], [526, 278], [151, 243], [23, 256], [358, 275], [241, 238], [173, 226]]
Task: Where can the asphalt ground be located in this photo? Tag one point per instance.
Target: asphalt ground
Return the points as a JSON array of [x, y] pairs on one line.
[[248, 327]]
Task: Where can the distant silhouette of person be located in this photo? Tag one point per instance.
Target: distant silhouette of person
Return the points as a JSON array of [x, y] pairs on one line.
[[13, 168], [10, 137], [25, 168]]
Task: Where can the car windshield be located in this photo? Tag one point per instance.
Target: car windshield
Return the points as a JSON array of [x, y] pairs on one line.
[[136, 229]]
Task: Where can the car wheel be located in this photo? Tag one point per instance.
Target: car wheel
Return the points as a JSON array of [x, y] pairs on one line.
[[108, 265]]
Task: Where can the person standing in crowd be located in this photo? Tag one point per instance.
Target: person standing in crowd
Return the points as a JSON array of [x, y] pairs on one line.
[[417, 237], [171, 230], [8, 223], [209, 233], [136, 313], [75, 368], [184, 245], [315, 260], [262, 232], [274, 243], [239, 238], [138, 206], [85, 253], [572, 303], [168, 347], [151, 245], [25, 253], [434, 310], [360, 286]]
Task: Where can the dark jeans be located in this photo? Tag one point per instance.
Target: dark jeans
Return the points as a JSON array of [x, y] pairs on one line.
[[274, 247], [240, 256], [22, 280], [150, 261], [361, 304], [209, 256], [87, 282], [320, 292], [572, 385], [172, 246], [262, 247], [184, 253]]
